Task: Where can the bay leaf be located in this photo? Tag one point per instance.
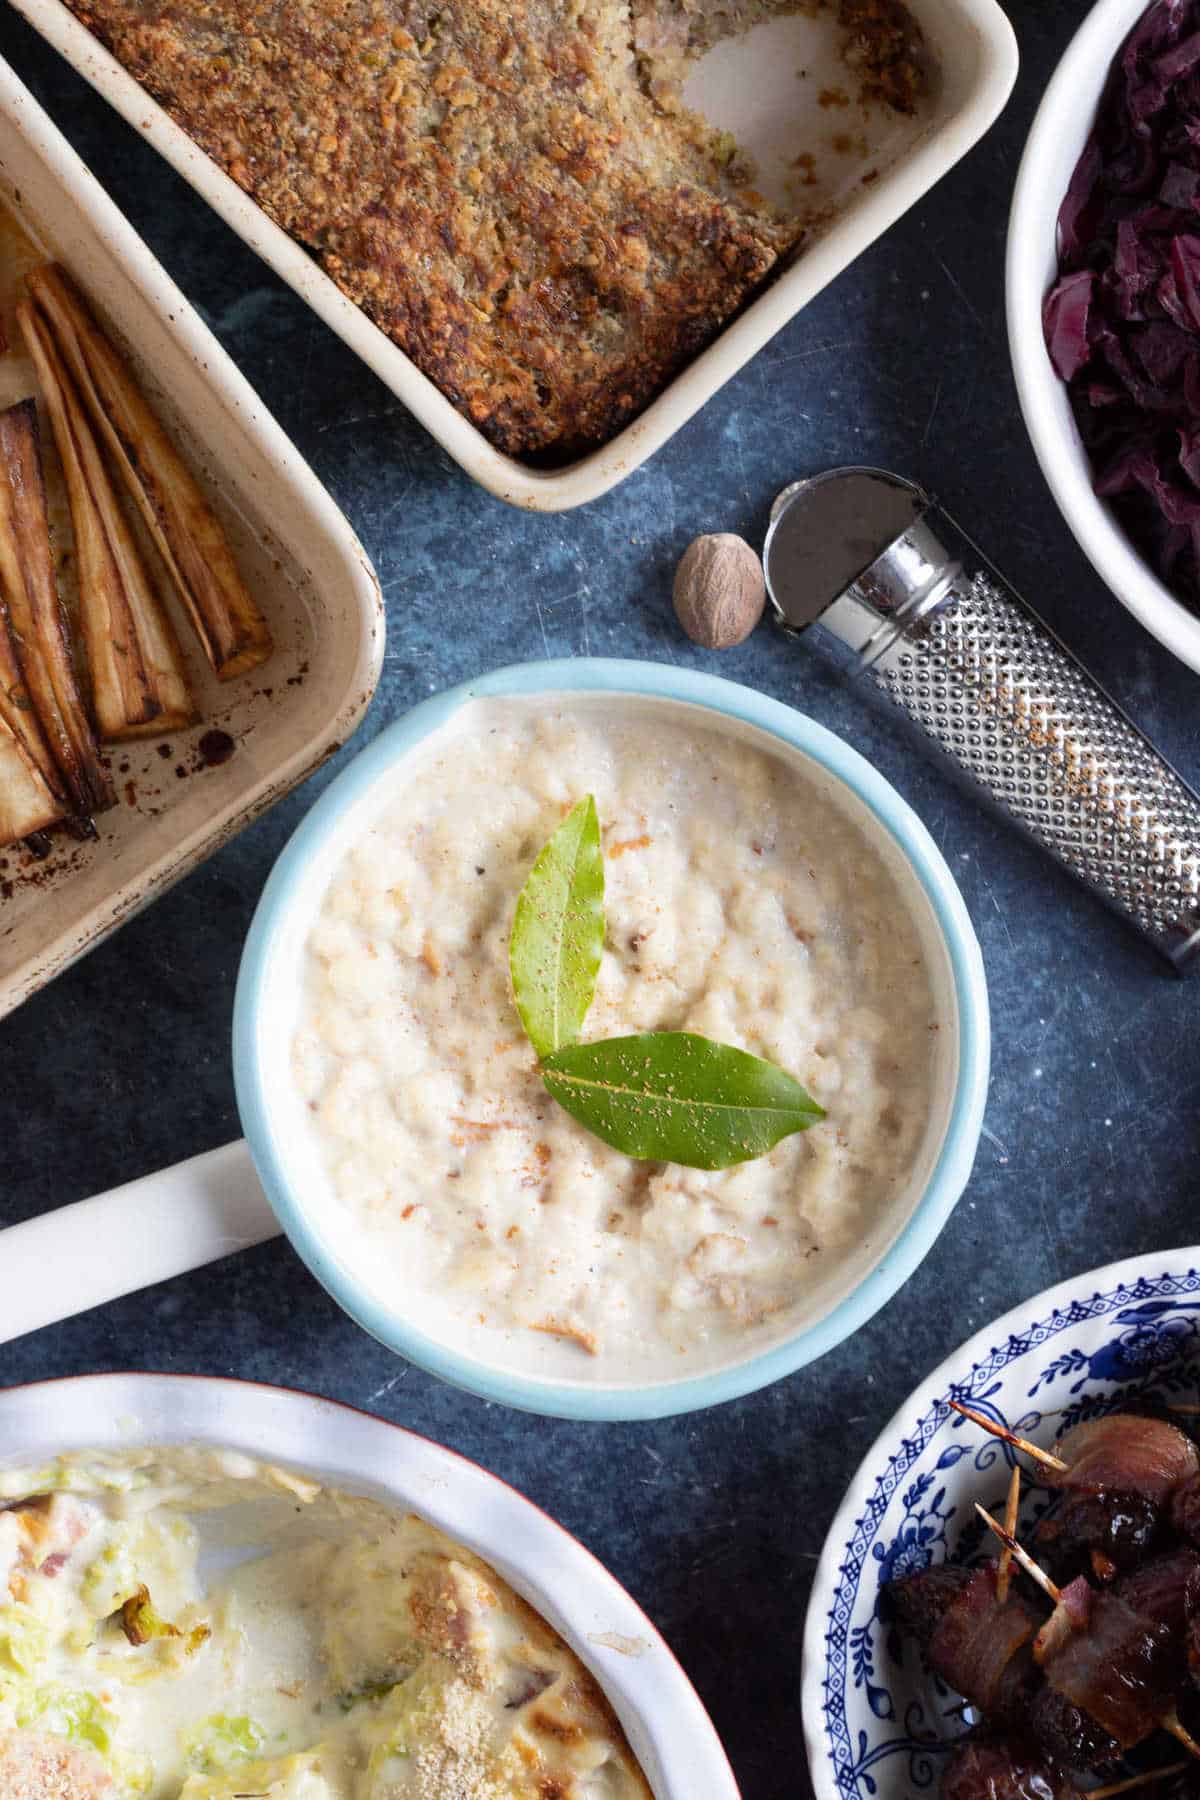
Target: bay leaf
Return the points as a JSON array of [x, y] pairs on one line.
[[670, 1096], [558, 932]]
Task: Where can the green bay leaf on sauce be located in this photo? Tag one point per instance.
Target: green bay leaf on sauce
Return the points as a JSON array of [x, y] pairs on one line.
[[558, 933], [670, 1096]]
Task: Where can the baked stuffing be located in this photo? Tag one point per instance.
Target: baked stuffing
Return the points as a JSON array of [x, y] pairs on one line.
[[511, 189]]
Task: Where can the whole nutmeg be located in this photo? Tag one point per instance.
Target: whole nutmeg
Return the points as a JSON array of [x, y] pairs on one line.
[[719, 592]]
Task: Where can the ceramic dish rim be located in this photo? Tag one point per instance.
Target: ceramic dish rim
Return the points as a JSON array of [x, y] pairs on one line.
[[955, 1158], [983, 29], [683, 1697], [1030, 263], [973, 1352]]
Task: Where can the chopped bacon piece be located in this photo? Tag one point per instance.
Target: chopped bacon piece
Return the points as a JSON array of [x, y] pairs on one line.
[[39, 1535]]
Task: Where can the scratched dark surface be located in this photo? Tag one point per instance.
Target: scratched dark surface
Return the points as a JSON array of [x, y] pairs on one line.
[[713, 1521]]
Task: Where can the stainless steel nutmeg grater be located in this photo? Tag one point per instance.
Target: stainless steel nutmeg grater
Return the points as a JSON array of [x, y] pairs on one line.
[[905, 601]]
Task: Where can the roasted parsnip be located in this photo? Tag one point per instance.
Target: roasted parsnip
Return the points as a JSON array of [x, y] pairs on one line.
[[35, 615], [26, 802], [139, 684], [184, 527], [16, 708]]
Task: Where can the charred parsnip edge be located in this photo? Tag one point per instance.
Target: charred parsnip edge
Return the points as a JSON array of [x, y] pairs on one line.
[[35, 615], [16, 708], [139, 683], [26, 802], [186, 531]]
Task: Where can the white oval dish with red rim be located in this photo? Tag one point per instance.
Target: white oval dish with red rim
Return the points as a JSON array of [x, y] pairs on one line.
[[668, 1728]]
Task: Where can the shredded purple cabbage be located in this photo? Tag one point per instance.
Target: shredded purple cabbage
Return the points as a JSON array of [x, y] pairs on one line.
[[1122, 321]]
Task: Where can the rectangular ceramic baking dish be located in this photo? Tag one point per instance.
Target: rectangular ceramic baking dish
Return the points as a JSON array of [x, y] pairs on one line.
[[306, 567], [751, 87]]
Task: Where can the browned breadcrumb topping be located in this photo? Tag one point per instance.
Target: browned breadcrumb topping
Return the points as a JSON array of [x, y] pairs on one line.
[[457, 1760], [541, 226], [561, 1722], [36, 1766], [884, 50]]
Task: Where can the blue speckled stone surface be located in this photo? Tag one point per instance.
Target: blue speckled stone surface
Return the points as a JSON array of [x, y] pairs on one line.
[[713, 1521]]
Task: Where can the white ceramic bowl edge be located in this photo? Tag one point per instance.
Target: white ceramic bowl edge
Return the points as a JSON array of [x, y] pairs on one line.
[[1060, 130], [266, 987]]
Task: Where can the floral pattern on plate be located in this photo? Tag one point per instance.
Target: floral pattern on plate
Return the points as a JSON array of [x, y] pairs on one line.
[[876, 1722]]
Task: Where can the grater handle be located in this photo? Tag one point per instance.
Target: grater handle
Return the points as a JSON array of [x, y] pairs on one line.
[[1022, 721]]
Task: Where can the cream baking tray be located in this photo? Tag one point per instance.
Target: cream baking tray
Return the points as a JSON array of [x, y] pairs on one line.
[[307, 569], [751, 86]]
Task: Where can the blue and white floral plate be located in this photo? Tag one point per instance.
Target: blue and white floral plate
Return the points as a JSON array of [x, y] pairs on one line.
[[876, 1724]]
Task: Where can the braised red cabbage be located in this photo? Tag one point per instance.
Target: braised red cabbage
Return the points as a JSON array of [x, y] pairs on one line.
[[1122, 321]]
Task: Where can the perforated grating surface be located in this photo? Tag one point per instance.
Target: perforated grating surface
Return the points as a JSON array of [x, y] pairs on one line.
[[1013, 710]]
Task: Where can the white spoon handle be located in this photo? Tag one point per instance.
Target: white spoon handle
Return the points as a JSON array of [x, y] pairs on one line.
[[161, 1225]]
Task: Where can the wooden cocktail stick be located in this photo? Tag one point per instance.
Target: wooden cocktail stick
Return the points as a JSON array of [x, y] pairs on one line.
[[1023, 1557], [1011, 1515], [1113, 1788], [1046, 1457], [1174, 1724]]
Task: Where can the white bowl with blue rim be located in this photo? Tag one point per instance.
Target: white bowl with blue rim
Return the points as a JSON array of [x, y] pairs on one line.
[[877, 1725], [269, 987]]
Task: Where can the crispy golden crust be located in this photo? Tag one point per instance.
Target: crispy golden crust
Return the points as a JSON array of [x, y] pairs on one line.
[[486, 178], [36, 1766], [561, 1721]]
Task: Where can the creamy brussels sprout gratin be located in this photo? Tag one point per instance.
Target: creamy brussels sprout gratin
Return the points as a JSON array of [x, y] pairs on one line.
[[746, 903], [191, 1625]]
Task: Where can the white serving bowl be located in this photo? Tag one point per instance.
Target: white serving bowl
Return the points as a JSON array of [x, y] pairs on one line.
[[873, 1718], [1060, 130], [668, 1729], [274, 1117]]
